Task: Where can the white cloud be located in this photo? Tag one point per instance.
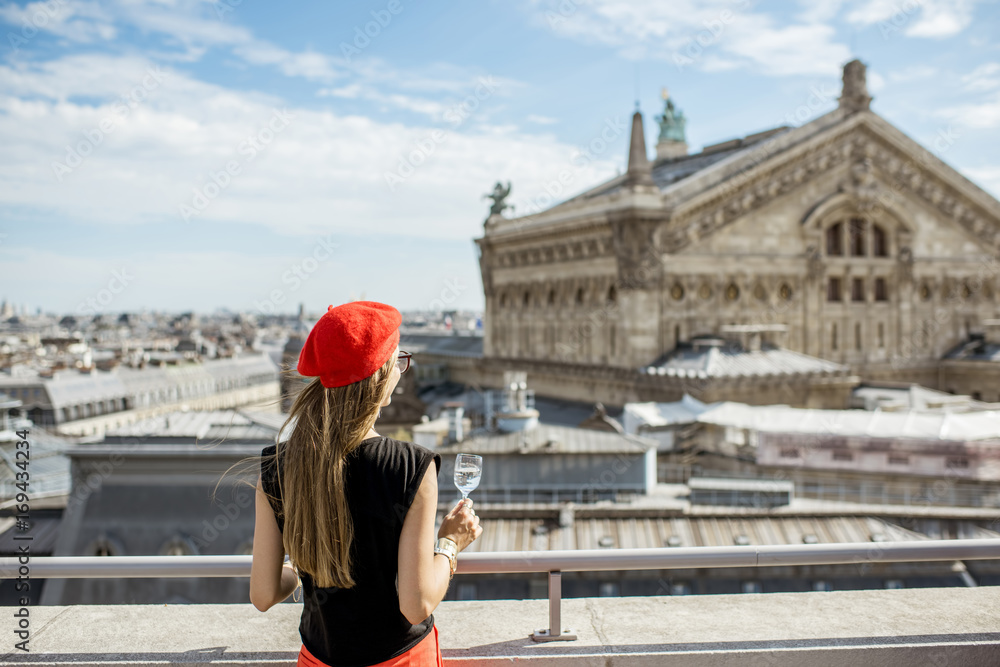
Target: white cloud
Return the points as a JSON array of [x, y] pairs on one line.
[[324, 172], [191, 25], [350, 92], [718, 34], [461, 98], [984, 115], [875, 82], [987, 178], [912, 73], [819, 10], [430, 108], [942, 18], [915, 18], [985, 77], [542, 120], [77, 21]]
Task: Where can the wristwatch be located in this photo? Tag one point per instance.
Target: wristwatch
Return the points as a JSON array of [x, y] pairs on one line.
[[447, 547]]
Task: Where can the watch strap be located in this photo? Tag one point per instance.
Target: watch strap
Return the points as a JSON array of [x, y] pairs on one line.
[[449, 548]]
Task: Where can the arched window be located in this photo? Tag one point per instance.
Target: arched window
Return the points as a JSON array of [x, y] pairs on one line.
[[879, 247], [612, 294], [527, 299], [104, 545], [857, 237], [178, 545], [503, 300], [552, 297], [835, 239], [579, 295]]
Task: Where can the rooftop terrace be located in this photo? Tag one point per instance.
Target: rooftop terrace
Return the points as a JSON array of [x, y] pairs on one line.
[[953, 626], [920, 626]]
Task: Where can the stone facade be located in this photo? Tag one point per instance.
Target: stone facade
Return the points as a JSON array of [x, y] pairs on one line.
[[869, 249]]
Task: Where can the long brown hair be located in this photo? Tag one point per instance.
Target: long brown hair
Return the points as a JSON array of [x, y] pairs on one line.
[[329, 425]]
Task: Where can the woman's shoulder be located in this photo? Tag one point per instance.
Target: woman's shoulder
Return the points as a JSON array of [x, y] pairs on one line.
[[397, 448], [391, 443]]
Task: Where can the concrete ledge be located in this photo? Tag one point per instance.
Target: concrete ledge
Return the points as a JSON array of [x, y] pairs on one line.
[[929, 626]]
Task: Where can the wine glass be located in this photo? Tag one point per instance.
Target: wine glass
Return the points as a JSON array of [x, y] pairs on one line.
[[468, 470]]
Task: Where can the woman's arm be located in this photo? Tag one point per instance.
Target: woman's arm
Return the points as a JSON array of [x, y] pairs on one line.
[[423, 576], [270, 582]]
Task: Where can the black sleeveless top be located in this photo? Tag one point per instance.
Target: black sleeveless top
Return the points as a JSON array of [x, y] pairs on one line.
[[363, 625]]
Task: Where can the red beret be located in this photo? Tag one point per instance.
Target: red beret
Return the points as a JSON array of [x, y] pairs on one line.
[[350, 342]]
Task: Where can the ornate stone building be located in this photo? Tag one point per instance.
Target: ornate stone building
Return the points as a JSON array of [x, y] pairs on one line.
[[842, 239]]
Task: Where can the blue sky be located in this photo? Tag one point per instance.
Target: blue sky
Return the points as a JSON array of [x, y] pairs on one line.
[[180, 154]]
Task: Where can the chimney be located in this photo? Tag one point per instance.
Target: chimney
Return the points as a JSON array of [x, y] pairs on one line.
[[854, 95], [991, 331], [514, 413], [455, 413], [640, 171]]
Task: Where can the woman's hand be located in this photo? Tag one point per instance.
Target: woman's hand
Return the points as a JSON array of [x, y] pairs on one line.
[[461, 525]]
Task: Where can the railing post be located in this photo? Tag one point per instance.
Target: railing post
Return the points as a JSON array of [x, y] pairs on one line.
[[555, 631]]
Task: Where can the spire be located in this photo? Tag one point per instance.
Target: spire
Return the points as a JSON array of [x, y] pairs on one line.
[[640, 172]]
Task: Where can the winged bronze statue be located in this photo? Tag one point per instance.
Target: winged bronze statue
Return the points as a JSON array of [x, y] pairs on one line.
[[499, 194]]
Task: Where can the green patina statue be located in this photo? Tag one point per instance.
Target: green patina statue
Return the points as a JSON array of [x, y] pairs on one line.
[[671, 122]]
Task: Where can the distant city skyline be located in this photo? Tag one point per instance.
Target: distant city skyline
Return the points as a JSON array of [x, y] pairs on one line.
[[255, 156], [20, 309]]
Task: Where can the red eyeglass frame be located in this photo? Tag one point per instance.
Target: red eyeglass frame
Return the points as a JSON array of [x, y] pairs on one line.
[[404, 355]]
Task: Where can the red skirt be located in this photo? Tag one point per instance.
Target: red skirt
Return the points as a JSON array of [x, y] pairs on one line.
[[426, 653]]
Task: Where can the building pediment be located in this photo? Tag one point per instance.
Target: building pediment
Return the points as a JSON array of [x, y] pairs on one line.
[[882, 164]]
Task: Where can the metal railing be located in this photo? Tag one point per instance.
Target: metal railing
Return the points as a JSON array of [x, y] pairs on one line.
[[550, 493], [552, 562], [958, 493]]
